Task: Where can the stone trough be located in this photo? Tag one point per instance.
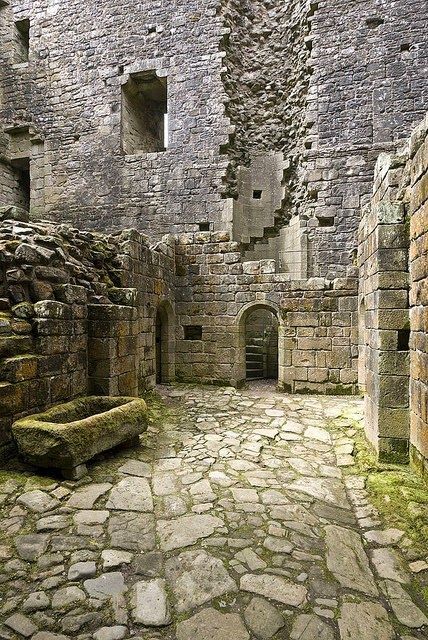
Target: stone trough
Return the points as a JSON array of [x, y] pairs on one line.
[[68, 435]]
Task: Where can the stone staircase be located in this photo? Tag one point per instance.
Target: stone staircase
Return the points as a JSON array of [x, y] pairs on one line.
[[255, 359]]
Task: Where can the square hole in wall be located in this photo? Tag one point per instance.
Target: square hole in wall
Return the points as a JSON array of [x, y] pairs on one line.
[[204, 226], [403, 340], [193, 332], [22, 41], [144, 113], [257, 194], [374, 21], [326, 222]]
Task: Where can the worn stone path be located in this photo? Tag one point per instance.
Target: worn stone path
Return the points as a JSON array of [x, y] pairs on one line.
[[236, 521]]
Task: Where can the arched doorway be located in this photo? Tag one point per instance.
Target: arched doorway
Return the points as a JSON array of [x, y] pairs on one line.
[[259, 346], [165, 344]]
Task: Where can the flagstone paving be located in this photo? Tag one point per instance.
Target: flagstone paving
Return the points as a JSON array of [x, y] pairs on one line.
[[234, 520]]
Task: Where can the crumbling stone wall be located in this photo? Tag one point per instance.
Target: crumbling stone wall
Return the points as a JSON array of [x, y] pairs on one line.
[[266, 80], [77, 313], [329, 85]]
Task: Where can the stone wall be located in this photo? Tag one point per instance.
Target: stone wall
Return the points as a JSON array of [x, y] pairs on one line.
[[368, 89], [215, 290], [77, 314], [81, 55], [384, 321], [244, 78], [393, 262], [418, 210]]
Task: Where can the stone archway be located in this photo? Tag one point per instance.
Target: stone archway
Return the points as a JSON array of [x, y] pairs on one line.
[[165, 343], [273, 354]]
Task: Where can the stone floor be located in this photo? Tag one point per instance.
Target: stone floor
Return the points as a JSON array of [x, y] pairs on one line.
[[238, 520]]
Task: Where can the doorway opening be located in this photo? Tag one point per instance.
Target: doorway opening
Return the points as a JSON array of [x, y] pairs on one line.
[[261, 345], [21, 170], [164, 344]]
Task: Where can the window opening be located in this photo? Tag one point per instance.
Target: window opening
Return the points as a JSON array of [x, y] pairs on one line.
[[144, 113], [192, 332], [22, 36], [403, 340]]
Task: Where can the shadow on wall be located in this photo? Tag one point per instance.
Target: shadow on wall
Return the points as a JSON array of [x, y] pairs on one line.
[[165, 343]]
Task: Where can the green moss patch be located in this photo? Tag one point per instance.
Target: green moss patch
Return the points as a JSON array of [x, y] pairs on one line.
[[400, 496]]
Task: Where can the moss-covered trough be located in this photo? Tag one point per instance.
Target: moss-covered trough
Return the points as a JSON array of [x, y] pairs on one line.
[[68, 435]]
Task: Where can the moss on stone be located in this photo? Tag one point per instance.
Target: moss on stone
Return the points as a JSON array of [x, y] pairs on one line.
[[69, 434], [400, 496]]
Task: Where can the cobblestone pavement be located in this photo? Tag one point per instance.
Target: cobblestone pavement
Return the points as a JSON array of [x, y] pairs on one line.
[[236, 521]]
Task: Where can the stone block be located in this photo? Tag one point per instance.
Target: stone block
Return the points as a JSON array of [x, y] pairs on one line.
[[68, 435]]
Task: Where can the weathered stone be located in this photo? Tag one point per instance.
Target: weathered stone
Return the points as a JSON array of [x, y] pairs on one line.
[[251, 559], [274, 587], [36, 601], [403, 606], [329, 490], [309, 627], [52, 523], [31, 546], [21, 624], [387, 536], [106, 585], [149, 564], [52, 439], [210, 624], [186, 530], [136, 468], [82, 570], [46, 635], [347, 561], [364, 621], [132, 531], [90, 517], [86, 497], [38, 501], [131, 494], [245, 495], [111, 633], [196, 577], [66, 598], [390, 565], [263, 619], [277, 545], [112, 558], [150, 603]]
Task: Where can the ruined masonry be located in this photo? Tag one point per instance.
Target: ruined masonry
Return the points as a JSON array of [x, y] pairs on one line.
[[230, 193]]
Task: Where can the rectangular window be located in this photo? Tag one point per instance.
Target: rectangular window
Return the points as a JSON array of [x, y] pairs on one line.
[[192, 332], [403, 340], [144, 113], [22, 40], [326, 221]]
